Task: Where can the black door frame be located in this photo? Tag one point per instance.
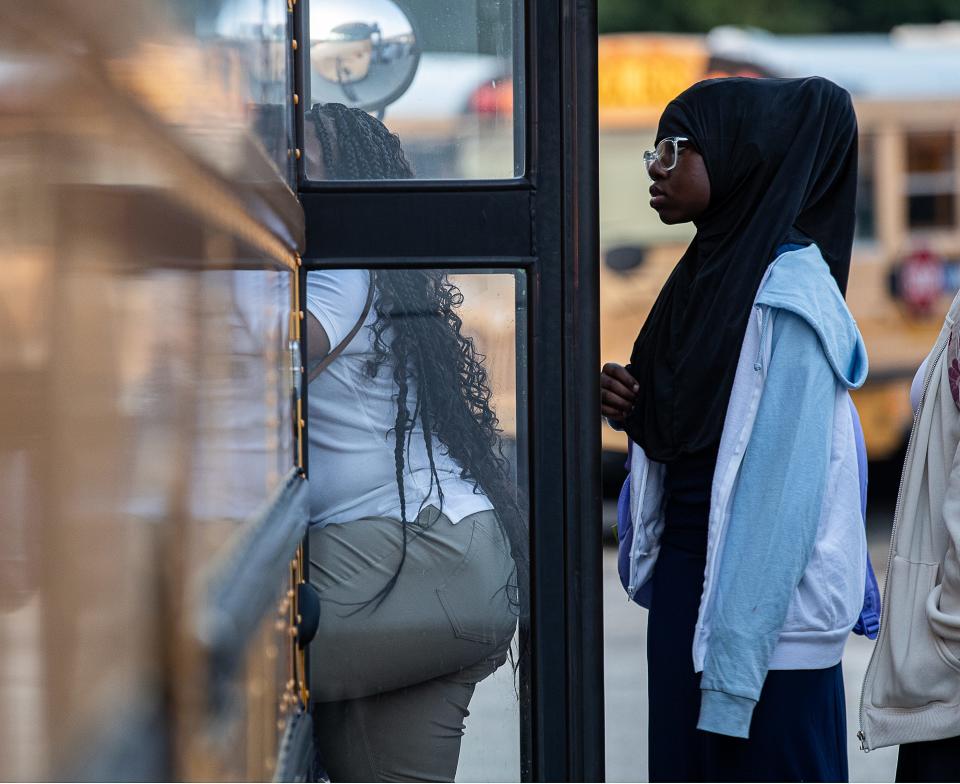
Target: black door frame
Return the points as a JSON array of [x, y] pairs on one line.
[[546, 224]]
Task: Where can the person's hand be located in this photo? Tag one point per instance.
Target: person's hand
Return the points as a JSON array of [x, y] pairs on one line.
[[618, 391]]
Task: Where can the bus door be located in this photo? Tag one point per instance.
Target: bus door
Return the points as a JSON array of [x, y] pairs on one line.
[[447, 170]]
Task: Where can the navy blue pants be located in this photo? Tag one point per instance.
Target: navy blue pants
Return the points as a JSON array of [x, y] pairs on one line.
[[932, 760], [798, 731]]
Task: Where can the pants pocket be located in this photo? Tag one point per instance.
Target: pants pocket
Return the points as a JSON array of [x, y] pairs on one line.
[[948, 650], [479, 595]]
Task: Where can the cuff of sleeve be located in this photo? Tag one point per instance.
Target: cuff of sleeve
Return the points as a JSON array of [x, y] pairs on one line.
[[328, 325], [725, 714]]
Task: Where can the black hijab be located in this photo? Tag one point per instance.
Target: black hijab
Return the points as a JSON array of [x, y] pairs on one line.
[[781, 156]]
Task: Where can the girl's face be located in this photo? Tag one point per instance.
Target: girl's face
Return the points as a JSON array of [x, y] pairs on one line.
[[683, 193]]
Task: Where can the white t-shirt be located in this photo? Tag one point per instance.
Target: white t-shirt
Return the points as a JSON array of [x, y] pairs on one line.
[[352, 469]]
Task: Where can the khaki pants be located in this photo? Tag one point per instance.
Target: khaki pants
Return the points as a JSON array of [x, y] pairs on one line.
[[393, 679]]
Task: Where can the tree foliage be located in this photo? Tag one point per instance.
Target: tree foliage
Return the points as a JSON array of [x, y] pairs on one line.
[[777, 16]]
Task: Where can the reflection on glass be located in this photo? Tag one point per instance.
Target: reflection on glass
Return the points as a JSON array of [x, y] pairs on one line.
[[220, 74], [145, 383], [238, 451], [442, 74], [418, 542], [243, 445], [215, 77], [363, 54], [250, 39], [418, 539]]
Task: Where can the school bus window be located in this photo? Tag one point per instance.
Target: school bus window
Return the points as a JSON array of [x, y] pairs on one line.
[[866, 193], [931, 180]]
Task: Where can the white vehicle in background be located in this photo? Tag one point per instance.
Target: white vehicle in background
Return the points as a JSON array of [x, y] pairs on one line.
[[456, 119]]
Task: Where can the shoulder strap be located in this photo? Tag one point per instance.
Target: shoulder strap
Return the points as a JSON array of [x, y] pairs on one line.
[[336, 352]]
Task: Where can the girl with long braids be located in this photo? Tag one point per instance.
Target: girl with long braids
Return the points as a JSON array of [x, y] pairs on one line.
[[417, 542]]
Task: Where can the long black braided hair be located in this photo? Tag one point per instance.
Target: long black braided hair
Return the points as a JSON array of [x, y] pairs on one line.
[[418, 333]]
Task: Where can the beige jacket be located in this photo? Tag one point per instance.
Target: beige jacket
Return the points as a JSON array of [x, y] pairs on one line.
[[912, 687]]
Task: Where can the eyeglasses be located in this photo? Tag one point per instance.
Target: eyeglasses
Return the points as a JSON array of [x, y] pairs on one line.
[[667, 153]]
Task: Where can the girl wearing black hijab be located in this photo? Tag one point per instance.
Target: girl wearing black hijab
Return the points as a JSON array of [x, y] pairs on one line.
[[746, 537]]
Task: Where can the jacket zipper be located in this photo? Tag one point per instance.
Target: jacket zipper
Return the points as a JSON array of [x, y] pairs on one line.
[[893, 535], [715, 556], [758, 363]]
